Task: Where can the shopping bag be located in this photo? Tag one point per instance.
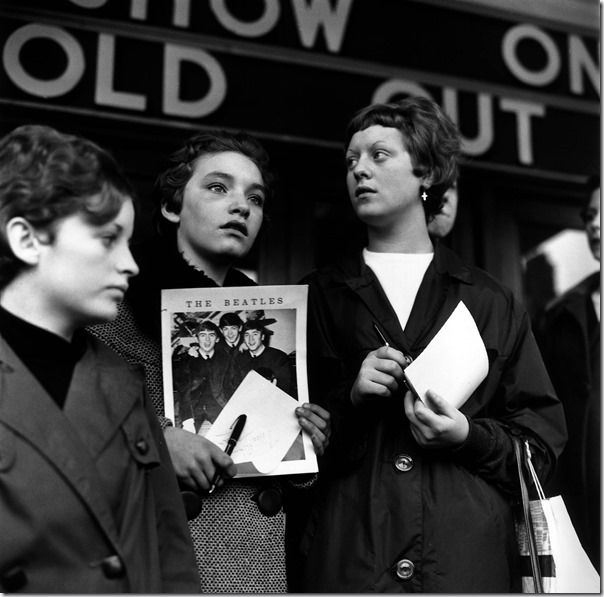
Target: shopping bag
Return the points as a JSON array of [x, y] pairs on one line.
[[553, 560], [574, 572]]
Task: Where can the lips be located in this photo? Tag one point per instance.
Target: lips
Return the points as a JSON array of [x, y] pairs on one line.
[[237, 226], [119, 288], [362, 191]]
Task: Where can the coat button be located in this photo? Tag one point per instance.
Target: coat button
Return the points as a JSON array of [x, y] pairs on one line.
[[142, 446], [405, 569], [112, 567], [269, 500], [403, 463]]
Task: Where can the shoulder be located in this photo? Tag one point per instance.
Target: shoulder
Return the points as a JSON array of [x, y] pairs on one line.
[[487, 284], [475, 284], [108, 358], [271, 351], [336, 273], [573, 303], [577, 293]]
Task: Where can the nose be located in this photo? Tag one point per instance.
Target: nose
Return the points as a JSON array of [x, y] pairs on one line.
[[360, 169], [239, 205], [127, 264], [593, 224]]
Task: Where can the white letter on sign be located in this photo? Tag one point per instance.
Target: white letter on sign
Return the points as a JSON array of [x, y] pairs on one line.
[[43, 87], [320, 13], [532, 77], [252, 29], [172, 104], [523, 111], [105, 95]]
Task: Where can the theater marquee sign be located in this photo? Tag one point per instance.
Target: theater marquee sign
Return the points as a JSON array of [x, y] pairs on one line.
[[525, 96]]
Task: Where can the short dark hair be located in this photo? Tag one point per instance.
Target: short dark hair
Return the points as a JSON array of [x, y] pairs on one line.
[[257, 324], [209, 326], [429, 135], [230, 319], [171, 183], [46, 175]]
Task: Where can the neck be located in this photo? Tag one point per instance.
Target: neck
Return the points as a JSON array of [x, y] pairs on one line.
[[24, 300], [399, 239], [212, 269]]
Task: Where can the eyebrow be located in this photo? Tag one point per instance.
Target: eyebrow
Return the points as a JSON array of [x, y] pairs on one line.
[[111, 225], [371, 147], [230, 178]]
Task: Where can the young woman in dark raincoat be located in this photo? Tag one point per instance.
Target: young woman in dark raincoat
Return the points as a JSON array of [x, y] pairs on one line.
[[416, 497], [88, 497]]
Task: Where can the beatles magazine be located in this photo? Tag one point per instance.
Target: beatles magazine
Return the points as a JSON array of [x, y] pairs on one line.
[[229, 352]]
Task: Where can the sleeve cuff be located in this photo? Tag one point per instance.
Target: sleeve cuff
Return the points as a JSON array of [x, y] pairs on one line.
[[475, 446]]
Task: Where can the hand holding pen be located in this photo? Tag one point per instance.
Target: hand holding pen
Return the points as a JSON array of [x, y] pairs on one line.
[[381, 373], [237, 428], [382, 339]]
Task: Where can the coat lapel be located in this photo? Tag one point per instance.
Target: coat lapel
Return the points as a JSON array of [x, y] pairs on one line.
[[106, 376], [431, 308], [27, 408], [366, 286]]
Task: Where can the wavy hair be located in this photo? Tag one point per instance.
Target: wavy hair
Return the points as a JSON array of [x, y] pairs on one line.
[[45, 176], [429, 136], [171, 183]]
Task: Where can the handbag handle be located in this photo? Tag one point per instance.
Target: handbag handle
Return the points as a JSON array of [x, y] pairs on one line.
[[536, 569]]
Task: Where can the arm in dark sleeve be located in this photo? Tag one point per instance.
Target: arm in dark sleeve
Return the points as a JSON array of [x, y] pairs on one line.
[[527, 407], [177, 557], [329, 386]]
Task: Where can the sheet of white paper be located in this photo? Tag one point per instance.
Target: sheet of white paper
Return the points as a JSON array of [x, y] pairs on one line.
[[454, 363], [271, 425]]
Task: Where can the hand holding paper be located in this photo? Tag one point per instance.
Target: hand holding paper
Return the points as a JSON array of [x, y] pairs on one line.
[[435, 423]]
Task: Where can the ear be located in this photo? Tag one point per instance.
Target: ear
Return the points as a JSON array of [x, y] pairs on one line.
[[170, 215], [23, 241], [426, 180]]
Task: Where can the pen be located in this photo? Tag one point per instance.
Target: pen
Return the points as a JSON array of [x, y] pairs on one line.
[[231, 443], [376, 327], [380, 335]]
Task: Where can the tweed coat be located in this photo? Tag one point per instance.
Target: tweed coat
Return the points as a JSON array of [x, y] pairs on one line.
[[239, 549]]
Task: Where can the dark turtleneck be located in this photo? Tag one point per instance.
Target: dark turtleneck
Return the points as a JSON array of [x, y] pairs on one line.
[[162, 266], [50, 358]]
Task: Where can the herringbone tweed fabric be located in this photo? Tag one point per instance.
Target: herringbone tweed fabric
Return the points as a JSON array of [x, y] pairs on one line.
[[238, 549]]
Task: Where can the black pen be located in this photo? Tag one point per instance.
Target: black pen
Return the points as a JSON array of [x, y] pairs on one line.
[[231, 443]]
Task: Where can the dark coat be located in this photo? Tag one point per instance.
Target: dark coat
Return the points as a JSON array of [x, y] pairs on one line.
[[273, 364], [88, 497], [442, 519], [209, 387], [571, 350]]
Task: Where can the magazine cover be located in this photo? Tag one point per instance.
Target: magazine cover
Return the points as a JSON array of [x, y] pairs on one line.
[[229, 352]]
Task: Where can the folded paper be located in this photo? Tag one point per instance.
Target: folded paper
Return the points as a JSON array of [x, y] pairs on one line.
[[271, 425], [454, 363]]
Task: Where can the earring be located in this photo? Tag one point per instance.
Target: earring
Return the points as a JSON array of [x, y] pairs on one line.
[[423, 193]]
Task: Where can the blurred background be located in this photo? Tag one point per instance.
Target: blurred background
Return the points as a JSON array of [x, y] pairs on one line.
[[521, 79]]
